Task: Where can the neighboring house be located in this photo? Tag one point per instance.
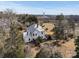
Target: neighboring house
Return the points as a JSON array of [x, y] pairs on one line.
[[33, 31]]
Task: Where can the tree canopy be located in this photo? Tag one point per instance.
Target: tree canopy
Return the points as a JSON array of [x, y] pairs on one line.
[[27, 18], [60, 17]]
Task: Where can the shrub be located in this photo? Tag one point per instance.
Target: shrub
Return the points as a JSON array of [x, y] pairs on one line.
[[39, 40], [77, 48]]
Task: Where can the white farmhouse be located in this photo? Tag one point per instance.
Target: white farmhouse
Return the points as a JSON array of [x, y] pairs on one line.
[[33, 32]]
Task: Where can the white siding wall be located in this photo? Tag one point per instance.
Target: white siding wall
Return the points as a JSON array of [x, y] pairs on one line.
[[33, 32]]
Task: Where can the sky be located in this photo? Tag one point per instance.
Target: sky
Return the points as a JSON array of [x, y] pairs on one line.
[[38, 7]]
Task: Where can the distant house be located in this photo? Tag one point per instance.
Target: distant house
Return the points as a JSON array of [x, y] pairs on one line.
[[33, 31]]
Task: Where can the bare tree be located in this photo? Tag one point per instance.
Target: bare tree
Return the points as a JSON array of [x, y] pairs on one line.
[[14, 39]]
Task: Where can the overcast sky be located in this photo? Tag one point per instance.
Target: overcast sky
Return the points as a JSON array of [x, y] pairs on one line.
[[38, 7]]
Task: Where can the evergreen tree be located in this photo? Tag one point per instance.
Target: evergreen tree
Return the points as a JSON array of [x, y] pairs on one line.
[[59, 31]]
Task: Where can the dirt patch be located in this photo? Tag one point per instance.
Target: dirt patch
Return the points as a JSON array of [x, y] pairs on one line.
[[66, 50]]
